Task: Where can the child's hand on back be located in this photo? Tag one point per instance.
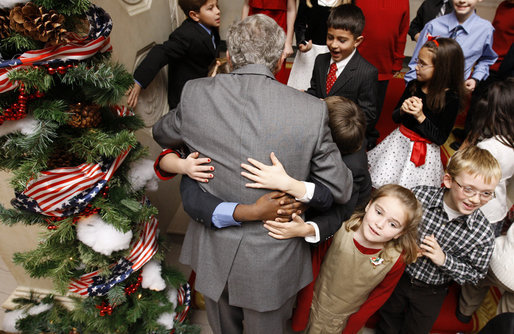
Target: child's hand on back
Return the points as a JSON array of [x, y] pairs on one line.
[[295, 228], [470, 85], [264, 176], [196, 169], [431, 249]]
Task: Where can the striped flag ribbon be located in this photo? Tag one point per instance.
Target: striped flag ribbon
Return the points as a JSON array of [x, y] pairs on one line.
[[66, 191], [183, 299], [142, 250], [77, 48]]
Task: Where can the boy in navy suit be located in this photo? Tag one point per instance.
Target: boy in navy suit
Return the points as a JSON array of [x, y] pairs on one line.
[[343, 71], [188, 52]]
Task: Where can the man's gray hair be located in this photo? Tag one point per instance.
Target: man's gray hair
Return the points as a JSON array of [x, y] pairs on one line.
[[255, 40]]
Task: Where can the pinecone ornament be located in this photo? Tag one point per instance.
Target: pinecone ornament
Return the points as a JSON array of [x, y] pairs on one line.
[[38, 23], [61, 157], [5, 30], [85, 116]]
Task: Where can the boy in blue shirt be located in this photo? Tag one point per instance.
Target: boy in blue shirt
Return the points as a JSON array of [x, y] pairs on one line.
[[188, 52], [474, 35]]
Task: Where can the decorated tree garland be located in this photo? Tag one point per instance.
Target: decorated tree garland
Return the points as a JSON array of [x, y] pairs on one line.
[[78, 171]]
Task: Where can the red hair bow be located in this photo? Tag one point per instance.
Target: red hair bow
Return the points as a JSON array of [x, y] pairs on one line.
[[433, 39]]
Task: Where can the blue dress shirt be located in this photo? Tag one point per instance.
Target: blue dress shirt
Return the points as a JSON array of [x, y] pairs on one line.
[[475, 38]]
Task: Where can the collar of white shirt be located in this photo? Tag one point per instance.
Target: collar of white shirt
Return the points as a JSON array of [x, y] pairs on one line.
[[342, 64]]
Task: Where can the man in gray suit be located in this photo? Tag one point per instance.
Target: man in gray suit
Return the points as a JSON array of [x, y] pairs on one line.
[[243, 273]]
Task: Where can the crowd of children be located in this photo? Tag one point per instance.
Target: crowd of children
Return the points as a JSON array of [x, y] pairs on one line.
[[412, 225]]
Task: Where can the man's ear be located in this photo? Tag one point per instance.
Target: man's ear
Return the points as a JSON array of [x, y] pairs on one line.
[[195, 16], [280, 63], [447, 180], [359, 40], [229, 61]]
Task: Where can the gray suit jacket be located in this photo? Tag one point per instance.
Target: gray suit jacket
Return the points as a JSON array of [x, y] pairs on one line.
[[229, 118]]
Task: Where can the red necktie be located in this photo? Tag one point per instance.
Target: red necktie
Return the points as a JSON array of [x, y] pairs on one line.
[[331, 78]]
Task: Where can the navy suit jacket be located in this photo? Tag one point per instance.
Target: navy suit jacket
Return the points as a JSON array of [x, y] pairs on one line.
[[330, 221], [188, 52], [357, 82]]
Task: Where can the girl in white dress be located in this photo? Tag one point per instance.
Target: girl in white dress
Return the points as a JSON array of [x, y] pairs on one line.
[[410, 155]]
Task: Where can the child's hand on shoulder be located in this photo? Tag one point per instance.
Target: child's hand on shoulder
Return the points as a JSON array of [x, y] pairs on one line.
[[431, 249], [196, 168]]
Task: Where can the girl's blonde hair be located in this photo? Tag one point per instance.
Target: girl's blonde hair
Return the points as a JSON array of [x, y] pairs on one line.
[[407, 241]]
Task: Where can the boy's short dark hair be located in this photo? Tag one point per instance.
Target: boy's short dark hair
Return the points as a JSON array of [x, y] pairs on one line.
[[347, 17], [191, 5], [347, 123]]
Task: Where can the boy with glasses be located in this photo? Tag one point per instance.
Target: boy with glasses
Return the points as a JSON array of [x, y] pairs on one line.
[[456, 242]]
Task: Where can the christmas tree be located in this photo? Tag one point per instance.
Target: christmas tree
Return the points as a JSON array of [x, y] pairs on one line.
[[78, 170]]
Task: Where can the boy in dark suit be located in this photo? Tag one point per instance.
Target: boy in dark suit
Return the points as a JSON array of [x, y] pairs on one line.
[[188, 52], [343, 71]]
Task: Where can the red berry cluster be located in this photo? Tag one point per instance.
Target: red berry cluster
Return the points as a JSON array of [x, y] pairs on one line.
[[61, 69], [18, 110], [133, 287], [105, 308]]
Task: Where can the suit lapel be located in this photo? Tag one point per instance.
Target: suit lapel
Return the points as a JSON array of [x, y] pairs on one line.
[[323, 73], [345, 76]]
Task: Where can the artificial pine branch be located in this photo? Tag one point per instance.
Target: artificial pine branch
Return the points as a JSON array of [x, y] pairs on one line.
[[105, 84], [51, 110], [19, 43], [93, 143], [27, 170], [65, 7], [116, 295], [33, 78], [13, 216]]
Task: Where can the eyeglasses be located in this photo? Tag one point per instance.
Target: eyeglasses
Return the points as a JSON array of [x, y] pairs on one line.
[[470, 192], [421, 65]]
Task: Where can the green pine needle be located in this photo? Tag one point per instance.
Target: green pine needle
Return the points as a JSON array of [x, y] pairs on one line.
[[33, 78], [65, 7], [20, 43]]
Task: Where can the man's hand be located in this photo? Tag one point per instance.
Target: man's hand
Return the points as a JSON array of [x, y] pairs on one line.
[[431, 249], [133, 95], [293, 229]]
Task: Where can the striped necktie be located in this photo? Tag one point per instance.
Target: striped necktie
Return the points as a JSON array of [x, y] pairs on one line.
[[331, 77]]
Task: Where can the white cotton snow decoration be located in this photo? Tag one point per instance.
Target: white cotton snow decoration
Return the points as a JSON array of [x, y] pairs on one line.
[[26, 126], [102, 237], [152, 278], [141, 175], [10, 318], [166, 319], [11, 3]]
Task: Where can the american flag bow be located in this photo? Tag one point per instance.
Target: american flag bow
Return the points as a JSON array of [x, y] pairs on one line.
[[78, 48], [67, 191], [142, 250], [184, 299]]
